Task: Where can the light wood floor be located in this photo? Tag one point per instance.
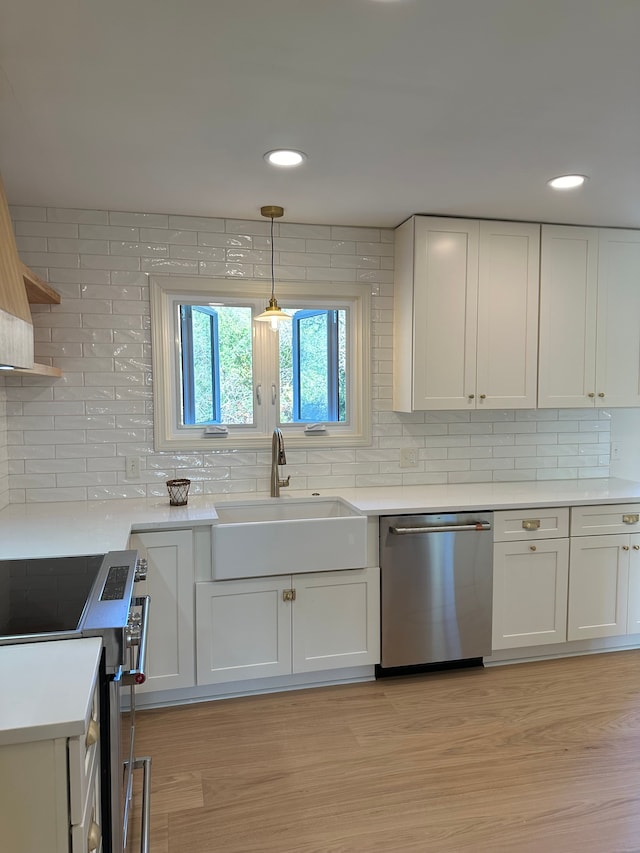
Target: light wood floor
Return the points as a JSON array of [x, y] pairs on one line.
[[529, 758]]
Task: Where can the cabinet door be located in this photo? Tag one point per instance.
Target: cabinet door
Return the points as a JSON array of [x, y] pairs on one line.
[[598, 586], [336, 619], [508, 288], [170, 579], [633, 609], [568, 295], [445, 298], [243, 629], [618, 343], [530, 593]]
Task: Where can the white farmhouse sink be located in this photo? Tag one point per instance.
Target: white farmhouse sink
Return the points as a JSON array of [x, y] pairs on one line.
[[281, 536]]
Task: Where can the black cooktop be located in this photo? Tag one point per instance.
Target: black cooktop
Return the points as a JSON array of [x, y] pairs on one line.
[[40, 596]]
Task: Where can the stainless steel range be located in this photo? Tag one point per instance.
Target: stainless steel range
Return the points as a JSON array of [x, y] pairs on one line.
[[68, 597]]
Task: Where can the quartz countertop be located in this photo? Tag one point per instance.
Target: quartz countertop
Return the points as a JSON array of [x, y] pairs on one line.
[[50, 686], [95, 527]]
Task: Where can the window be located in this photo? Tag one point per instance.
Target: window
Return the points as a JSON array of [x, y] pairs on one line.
[[221, 378]]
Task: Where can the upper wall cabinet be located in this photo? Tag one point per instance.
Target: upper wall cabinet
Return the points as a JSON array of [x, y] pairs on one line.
[[465, 314], [589, 317]]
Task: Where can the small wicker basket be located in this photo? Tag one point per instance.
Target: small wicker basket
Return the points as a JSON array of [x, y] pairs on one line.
[[178, 491]]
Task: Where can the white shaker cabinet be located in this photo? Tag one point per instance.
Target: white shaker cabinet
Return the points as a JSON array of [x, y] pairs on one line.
[[170, 583], [598, 586], [263, 627], [50, 748], [465, 314], [589, 351], [530, 577], [604, 586]]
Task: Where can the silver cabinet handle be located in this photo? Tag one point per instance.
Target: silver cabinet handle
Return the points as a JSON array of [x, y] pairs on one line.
[[259, 394], [441, 528]]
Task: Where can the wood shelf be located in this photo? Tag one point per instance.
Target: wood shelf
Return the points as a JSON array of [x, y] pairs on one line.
[[38, 291], [37, 370]]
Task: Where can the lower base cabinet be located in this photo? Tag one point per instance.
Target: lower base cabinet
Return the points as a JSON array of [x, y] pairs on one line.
[[549, 587], [530, 593], [50, 787], [604, 586], [170, 580], [263, 627]]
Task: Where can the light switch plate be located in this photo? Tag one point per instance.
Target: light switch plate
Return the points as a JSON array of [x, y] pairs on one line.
[[132, 467]]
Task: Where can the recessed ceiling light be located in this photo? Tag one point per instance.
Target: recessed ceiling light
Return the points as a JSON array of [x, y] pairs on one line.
[[567, 182], [285, 157]]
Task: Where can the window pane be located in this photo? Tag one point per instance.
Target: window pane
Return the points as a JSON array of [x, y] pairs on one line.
[[313, 366], [217, 365]]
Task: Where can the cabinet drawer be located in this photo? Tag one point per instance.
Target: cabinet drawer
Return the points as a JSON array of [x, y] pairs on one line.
[[83, 756], [542, 523], [610, 518]]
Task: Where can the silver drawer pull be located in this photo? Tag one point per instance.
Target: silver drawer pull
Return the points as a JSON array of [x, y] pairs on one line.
[[632, 518], [531, 524]]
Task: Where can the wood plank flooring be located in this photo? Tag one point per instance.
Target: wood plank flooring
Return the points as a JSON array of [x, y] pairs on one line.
[[528, 758]]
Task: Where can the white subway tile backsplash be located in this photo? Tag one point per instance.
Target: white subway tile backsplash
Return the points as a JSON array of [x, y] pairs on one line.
[[71, 276], [31, 244], [64, 260], [341, 232], [141, 250], [197, 253], [109, 262], [89, 217], [109, 232], [168, 235], [46, 229], [309, 232], [96, 247], [67, 440], [146, 220], [195, 223], [331, 247], [27, 214]]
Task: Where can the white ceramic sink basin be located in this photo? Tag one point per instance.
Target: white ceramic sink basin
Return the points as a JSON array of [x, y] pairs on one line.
[[281, 536]]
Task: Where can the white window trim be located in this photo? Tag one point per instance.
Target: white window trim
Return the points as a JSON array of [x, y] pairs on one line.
[[166, 290]]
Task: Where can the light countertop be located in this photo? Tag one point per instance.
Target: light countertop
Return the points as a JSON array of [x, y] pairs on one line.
[[95, 527], [48, 689]]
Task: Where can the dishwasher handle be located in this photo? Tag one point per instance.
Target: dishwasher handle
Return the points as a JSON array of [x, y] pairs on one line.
[[441, 528]]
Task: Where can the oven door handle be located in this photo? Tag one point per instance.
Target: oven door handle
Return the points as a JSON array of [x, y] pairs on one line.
[[136, 635]]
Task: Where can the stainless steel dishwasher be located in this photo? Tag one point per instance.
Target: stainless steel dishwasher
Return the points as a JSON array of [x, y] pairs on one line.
[[436, 588]]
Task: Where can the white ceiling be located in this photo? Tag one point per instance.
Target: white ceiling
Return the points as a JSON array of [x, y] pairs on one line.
[[457, 107]]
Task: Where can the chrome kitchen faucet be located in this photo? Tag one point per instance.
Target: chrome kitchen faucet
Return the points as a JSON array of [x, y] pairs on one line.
[[278, 457]]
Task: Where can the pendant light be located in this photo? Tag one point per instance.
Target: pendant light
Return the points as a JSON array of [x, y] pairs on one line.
[[272, 313]]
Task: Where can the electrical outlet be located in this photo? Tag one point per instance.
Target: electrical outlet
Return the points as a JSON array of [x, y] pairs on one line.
[[615, 450], [408, 457], [132, 467]]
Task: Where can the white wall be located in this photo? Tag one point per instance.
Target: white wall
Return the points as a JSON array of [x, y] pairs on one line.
[[67, 439]]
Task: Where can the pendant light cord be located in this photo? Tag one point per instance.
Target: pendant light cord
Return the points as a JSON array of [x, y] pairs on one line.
[[273, 286]]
